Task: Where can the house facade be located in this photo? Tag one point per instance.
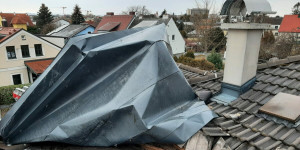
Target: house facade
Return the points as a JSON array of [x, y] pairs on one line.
[[18, 47], [175, 38]]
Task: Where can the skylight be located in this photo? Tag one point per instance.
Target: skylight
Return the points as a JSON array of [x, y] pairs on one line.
[[284, 106]]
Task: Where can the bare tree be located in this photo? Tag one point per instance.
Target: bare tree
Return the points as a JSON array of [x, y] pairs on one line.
[[203, 23], [139, 10], [285, 45]]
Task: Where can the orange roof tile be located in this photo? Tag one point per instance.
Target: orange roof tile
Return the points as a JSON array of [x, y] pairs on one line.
[[39, 66], [290, 24], [6, 32], [12, 18]]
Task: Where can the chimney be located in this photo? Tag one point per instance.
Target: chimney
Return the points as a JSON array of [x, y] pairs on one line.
[[132, 13], [242, 52], [110, 13]]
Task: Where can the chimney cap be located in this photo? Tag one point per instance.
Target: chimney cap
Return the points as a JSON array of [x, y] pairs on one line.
[[110, 13]]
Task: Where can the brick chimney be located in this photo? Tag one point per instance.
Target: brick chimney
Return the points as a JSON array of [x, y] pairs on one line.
[[242, 52], [132, 13], [110, 13]]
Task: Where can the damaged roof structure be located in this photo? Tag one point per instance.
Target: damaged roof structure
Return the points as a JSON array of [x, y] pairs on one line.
[[104, 90]]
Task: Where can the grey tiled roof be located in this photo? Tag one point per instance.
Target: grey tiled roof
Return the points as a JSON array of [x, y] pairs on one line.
[[250, 130], [70, 30]]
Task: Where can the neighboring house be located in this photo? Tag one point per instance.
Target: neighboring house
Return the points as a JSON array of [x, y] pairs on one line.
[[291, 25], [61, 22], [111, 22], [68, 31], [18, 46], [176, 40], [197, 11], [18, 21], [275, 24]]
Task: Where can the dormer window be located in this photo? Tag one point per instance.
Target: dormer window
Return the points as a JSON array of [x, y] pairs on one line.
[[284, 106]]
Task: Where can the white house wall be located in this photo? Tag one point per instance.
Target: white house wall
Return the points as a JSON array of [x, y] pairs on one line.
[[178, 45]]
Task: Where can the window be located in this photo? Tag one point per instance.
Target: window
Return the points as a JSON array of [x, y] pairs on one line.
[[38, 49], [276, 34], [25, 51], [11, 53], [17, 79], [23, 37], [173, 37], [276, 27]]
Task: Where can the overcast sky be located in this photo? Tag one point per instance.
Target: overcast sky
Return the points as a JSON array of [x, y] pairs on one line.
[[100, 7]]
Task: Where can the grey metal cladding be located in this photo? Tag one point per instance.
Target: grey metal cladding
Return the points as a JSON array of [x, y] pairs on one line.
[[103, 90]]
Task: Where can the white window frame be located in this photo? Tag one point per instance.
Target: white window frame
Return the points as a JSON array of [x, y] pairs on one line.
[[12, 79]]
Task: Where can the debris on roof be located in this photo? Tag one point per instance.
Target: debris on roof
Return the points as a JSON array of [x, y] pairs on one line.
[[241, 119], [285, 106], [97, 92]]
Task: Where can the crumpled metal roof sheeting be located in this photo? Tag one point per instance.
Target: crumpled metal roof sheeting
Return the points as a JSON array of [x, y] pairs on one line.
[[102, 90]]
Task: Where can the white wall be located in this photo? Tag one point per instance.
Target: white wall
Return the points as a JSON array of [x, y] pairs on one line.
[[241, 56], [178, 45], [59, 41]]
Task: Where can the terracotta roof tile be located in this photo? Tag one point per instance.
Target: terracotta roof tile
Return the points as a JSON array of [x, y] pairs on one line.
[[290, 24], [124, 20], [39, 66], [12, 18], [6, 32]]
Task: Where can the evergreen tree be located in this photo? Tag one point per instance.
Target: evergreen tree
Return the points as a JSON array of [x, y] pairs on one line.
[[77, 16], [216, 59], [44, 16], [296, 9]]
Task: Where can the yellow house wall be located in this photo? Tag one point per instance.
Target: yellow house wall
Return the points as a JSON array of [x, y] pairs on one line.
[[11, 66], [0, 21], [20, 26]]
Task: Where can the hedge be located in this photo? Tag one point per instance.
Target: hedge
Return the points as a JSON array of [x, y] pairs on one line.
[[6, 96], [202, 64]]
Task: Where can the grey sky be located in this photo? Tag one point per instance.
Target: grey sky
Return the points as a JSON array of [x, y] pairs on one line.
[[100, 7]]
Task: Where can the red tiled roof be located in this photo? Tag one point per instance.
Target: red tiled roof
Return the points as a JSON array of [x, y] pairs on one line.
[[109, 26], [124, 20], [38, 66], [7, 32], [90, 22], [12, 18], [290, 24]]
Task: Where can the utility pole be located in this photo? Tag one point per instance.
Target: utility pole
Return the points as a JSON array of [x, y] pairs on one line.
[[64, 10]]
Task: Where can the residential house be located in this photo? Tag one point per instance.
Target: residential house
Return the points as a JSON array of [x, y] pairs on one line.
[[61, 22], [20, 21], [197, 11], [62, 34], [291, 25], [18, 46], [176, 40], [275, 24], [111, 22]]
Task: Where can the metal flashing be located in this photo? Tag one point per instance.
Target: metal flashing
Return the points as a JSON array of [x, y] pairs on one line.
[[230, 92]]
